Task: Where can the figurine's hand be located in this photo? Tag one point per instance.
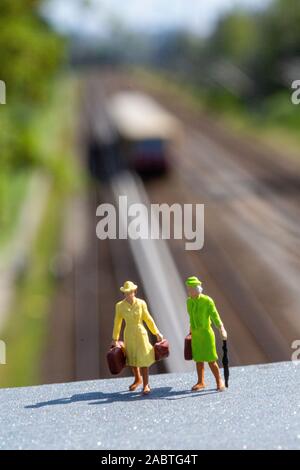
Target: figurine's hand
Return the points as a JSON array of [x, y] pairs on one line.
[[159, 337], [223, 333]]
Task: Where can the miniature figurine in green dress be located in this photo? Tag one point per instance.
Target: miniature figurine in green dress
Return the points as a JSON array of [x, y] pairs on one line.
[[202, 311]]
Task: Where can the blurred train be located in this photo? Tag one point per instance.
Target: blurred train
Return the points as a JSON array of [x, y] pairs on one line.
[[144, 131]]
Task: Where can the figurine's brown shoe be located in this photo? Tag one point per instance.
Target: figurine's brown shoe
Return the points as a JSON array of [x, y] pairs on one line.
[[198, 387], [135, 385], [146, 390]]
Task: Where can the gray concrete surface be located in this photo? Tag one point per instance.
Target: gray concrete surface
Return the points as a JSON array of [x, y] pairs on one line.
[[260, 410]]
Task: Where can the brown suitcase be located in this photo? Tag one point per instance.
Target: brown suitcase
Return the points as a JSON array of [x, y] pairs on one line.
[[188, 356], [116, 358], [161, 349]]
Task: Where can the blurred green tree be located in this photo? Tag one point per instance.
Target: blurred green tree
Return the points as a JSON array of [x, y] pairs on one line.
[[248, 57], [236, 37], [30, 55], [263, 44]]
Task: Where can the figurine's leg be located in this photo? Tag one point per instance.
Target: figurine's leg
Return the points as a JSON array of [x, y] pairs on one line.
[[137, 379], [145, 375], [216, 371], [200, 371]]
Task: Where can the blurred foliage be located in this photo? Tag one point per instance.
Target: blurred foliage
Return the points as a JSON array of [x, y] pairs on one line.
[[26, 332], [52, 134], [30, 56], [248, 62], [30, 52], [249, 56]]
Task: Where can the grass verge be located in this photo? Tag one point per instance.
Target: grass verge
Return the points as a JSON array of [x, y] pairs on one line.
[[26, 328]]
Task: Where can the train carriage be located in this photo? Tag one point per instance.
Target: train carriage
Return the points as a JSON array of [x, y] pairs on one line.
[[146, 131]]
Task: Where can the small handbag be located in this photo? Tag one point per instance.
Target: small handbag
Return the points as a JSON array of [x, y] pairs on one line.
[[116, 358], [161, 349], [188, 356]]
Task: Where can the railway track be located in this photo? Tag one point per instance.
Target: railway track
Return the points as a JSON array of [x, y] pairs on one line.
[[255, 195], [250, 261]]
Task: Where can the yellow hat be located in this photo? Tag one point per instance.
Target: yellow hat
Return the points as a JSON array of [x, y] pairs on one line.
[[128, 286]]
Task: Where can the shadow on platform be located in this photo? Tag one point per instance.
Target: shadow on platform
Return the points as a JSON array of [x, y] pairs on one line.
[[102, 398]]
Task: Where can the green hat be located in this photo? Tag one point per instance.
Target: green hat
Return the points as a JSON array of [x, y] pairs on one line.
[[193, 281]]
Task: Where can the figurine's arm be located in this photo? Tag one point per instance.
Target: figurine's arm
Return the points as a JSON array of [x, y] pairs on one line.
[[188, 311], [117, 325], [214, 315], [150, 322]]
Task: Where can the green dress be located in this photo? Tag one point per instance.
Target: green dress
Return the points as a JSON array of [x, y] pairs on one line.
[[202, 311]]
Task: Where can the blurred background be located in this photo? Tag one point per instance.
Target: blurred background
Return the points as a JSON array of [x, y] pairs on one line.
[[164, 102]]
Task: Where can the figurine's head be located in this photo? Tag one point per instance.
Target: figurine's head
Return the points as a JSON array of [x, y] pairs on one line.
[[129, 290], [194, 287]]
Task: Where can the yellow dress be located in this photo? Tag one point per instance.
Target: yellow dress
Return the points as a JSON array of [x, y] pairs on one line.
[[139, 351]]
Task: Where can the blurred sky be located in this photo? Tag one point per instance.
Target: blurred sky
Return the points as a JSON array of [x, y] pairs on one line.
[[95, 16]]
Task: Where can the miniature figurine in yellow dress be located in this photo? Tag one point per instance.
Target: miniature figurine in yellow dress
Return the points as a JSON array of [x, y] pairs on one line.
[[138, 349]]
